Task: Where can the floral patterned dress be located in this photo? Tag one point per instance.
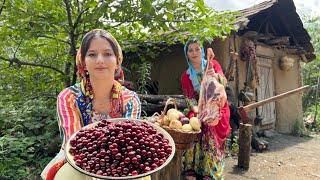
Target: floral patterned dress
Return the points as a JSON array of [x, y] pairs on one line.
[[205, 159]]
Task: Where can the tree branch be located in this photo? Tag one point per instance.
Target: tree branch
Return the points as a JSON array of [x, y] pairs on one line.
[[77, 21], [73, 50], [68, 9], [51, 96], [78, 6], [22, 63], [49, 37], [16, 50], [139, 20], [4, 1]]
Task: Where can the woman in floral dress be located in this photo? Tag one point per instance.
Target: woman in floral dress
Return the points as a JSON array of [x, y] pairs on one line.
[[205, 159]]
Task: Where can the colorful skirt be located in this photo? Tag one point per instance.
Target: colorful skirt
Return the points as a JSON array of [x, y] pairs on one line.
[[203, 160]]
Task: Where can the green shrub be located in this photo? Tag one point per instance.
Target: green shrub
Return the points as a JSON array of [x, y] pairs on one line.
[[28, 137], [299, 129]]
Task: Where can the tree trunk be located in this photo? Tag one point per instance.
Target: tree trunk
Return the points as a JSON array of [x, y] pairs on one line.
[[74, 76], [155, 103], [156, 98], [73, 43], [67, 80]]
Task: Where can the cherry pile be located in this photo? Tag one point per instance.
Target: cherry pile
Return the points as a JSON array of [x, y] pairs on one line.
[[124, 148]]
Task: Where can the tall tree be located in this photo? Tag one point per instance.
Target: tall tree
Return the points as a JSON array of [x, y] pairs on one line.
[[311, 71], [46, 34], [39, 40]]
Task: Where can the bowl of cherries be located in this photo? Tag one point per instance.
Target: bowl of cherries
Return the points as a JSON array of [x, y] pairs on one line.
[[120, 148]]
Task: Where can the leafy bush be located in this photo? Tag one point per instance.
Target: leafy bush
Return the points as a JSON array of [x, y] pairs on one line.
[[28, 137], [314, 113], [311, 73], [232, 145], [299, 129]]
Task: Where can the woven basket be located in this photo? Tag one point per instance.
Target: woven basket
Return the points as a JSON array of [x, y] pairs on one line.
[[182, 139]]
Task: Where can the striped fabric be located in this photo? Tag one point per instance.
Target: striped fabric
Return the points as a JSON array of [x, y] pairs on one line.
[[69, 118], [75, 110]]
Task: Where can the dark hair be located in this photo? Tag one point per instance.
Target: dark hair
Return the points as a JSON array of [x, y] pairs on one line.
[[86, 41], [191, 41]]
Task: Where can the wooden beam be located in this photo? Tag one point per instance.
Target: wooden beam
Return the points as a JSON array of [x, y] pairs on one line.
[[283, 40], [304, 58], [156, 98], [274, 98]]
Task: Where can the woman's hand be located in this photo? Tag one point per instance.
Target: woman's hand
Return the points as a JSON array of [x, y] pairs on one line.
[[210, 54]]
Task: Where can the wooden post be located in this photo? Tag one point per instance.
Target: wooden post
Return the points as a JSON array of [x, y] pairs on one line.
[[172, 170], [244, 145]]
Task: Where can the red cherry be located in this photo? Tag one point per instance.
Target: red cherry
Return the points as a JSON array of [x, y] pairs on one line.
[[118, 156], [134, 173], [114, 151], [147, 168], [160, 162], [127, 160], [153, 166], [108, 149], [131, 154], [134, 160]]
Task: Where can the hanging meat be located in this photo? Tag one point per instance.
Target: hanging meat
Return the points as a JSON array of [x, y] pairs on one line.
[[212, 97]]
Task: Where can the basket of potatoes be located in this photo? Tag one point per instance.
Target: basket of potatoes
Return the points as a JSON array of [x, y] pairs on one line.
[[183, 130]]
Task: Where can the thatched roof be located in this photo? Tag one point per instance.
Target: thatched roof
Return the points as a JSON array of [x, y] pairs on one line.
[[280, 17]]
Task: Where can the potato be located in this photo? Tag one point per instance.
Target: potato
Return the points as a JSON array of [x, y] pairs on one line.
[[175, 124], [195, 123], [187, 128], [166, 121], [173, 114], [171, 111]]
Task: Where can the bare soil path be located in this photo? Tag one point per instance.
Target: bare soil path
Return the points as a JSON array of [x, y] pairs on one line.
[[288, 158]]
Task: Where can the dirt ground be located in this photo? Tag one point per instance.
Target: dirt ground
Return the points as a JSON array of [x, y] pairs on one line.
[[288, 158]]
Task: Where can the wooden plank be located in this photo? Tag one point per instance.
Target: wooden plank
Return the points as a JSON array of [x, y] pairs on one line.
[[284, 40], [266, 89]]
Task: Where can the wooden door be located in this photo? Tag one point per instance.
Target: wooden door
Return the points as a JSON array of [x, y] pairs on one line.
[[266, 90]]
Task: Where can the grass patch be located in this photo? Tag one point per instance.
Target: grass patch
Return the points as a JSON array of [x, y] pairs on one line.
[[299, 129]]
